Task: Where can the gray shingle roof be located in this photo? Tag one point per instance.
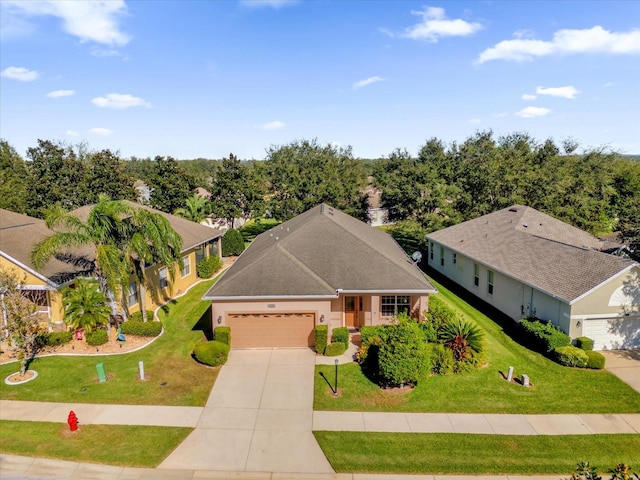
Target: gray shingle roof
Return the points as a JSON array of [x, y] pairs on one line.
[[18, 234], [316, 254], [536, 249]]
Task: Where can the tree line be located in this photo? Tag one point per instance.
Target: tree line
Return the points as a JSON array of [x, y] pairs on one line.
[[596, 190]]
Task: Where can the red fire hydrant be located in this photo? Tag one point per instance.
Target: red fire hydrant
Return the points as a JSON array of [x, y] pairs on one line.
[[72, 420]]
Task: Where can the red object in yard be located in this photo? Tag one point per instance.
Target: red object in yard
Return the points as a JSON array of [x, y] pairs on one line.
[[78, 334], [72, 420]]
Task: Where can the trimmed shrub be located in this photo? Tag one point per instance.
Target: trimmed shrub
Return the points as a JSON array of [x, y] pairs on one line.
[[211, 353], [595, 360], [403, 357], [54, 339], [585, 343], [222, 334], [137, 316], [208, 266], [543, 336], [340, 334], [232, 243], [442, 361], [335, 349], [321, 334], [97, 338], [571, 356], [367, 332], [463, 338], [141, 329]]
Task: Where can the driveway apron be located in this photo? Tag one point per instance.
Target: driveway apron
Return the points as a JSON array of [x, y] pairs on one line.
[[258, 418], [624, 364]]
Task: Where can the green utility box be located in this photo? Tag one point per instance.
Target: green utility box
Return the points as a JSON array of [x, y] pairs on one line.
[[102, 374]]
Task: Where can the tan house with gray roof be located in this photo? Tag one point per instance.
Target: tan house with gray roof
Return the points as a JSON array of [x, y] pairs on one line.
[[321, 267], [526, 263]]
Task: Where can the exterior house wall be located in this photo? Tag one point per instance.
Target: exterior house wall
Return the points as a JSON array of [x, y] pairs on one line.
[[510, 296], [598, 302]]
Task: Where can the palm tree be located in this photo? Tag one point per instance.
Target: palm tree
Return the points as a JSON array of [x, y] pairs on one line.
[[150, 240], [102, 231], [85, 305], [465, 339], [195, 209]]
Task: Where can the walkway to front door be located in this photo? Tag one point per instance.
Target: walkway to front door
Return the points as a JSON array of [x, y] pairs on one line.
[[258, 417]]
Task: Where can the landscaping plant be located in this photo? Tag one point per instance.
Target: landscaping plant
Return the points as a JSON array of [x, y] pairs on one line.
[[464, 339], [85, 305], [208, 266], [211, 353], [97, 338], [321, 334], [340, 334], [222, 334], [232, 243]]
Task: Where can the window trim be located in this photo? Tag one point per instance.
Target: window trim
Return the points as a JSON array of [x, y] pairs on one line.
[[186, 266], [132, 293], [431, 250], [476, 274], [455, 258], [395, 304], [490, 279], [163, 276], [441, 256]]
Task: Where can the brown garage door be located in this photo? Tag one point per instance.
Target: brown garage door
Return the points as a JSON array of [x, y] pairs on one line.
[[271, 329]]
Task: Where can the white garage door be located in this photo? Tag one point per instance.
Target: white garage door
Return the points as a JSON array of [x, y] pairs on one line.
[[613, 333]]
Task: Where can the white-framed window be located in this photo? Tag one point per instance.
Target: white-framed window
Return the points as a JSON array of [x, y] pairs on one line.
[[442, 256], [431, 249], [455, 258], [186, 265], [395, 304], [201, 253], [132, 294], [490, 282], [476, 274], [164, 280]]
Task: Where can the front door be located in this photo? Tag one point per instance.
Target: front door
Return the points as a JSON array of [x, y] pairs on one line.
[[351, 311]]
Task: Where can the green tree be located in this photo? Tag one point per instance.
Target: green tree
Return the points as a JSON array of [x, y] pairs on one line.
[[21, 321], [106, 175], [13, 179], [85, 305], [232, 243], [102, 231], [171, 186], [304, 174], [195, 209]]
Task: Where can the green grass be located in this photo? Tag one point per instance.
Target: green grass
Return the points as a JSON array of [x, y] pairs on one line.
[[409, 453], [130, 446], [556, 389], [167, 359]]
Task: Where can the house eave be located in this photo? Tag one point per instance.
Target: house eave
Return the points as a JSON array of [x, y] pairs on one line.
[[392, 291], [51, 285], [268, 297], [588, 292]]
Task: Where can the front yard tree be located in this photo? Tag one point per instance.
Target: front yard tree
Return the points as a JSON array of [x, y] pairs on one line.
[[231, 190], [20, 316], [85, 305]]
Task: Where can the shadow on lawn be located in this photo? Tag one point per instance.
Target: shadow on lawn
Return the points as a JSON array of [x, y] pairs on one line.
[[205, 325]]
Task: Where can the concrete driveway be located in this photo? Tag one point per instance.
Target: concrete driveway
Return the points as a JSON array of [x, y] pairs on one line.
[[258, 418], [624, 364]]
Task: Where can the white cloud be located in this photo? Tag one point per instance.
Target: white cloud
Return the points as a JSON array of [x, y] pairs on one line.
[[565, 42], [528, 96], [72, 133], [60, 93], [435, 25], [119, 101], [103, 132], [275, 125], [105, 52], [531, 112], [564, 92], [366, 81], [19, 73], [267, 3], [89, 21]]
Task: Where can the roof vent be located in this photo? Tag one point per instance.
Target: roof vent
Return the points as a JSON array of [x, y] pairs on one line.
[[525, 225], [513, 209]]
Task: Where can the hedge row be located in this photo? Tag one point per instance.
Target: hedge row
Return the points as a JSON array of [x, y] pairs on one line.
[[321, 334], [340, 335], [54, 339], [208, 266], [141, 329], [543, 336], [222, 334], [137, 316]]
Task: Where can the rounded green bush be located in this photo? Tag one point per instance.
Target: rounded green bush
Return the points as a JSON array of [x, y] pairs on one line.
[[232, 243], [442, 361], [222, 334], [141, 329], [137, 316], [54, 339], [585, 343], [334, 349], [340, 334], [97, 338], [208, 266], [212, 353], [596, 360], [321, 334], [571, 356]]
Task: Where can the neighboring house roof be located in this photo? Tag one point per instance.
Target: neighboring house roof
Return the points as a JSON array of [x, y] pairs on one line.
[[192, 233], [318, 254], [18, 235], [536, 249], [374, 196]]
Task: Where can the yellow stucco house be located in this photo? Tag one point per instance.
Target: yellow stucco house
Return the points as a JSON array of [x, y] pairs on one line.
[[19, 233]]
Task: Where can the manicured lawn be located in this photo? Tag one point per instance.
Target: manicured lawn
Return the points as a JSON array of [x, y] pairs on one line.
[[439, 453], [556, 389], [130, 446], [166, 361]]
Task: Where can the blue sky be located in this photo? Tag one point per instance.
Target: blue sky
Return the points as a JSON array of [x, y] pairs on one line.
[[208, 78]]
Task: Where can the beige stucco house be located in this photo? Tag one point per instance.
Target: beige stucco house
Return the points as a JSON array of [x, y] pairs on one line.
[[526, 263], [321, 267]]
